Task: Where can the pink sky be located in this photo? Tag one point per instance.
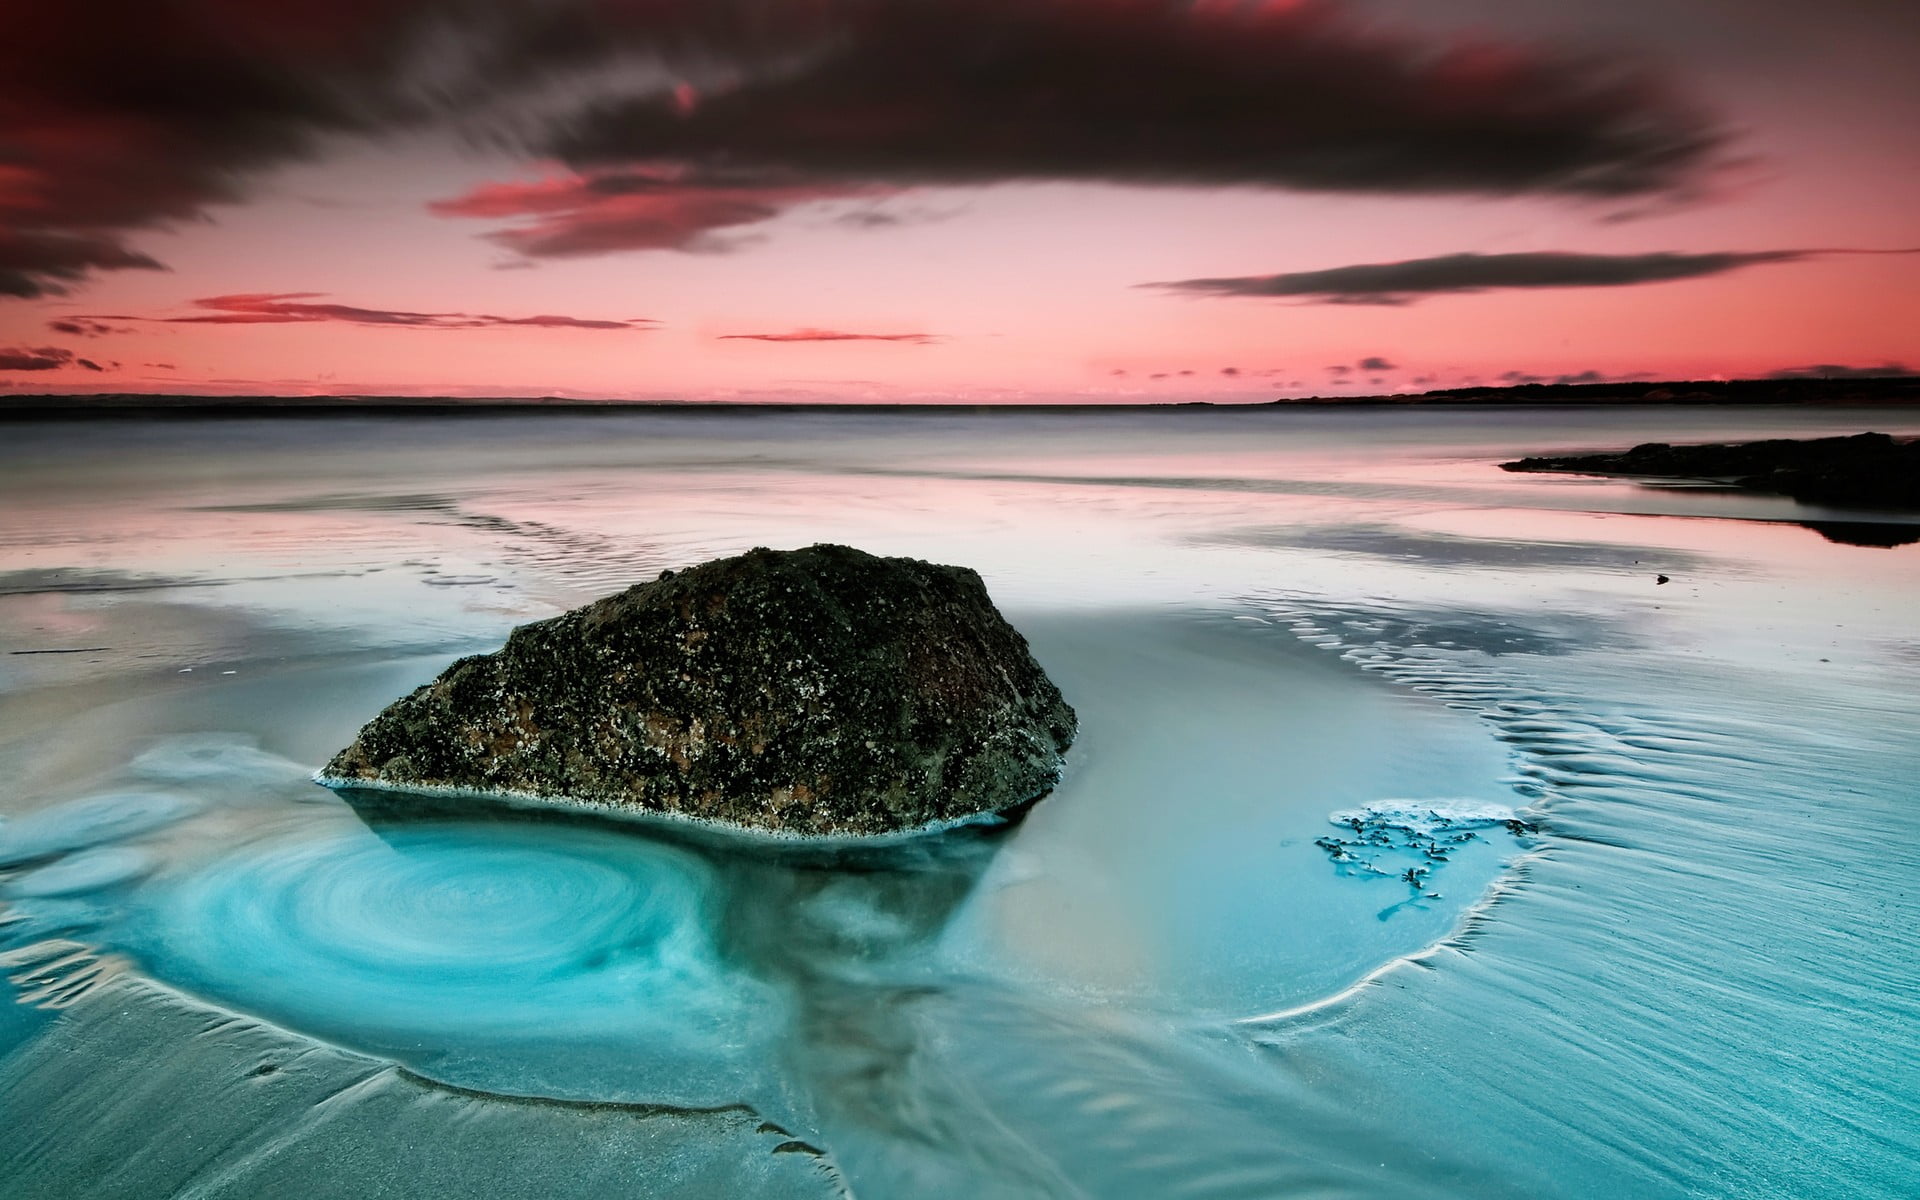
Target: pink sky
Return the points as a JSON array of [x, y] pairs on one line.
[[980, 237]]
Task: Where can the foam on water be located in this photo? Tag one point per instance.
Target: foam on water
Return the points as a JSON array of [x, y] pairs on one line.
[[1428, 816], [1412, 842]]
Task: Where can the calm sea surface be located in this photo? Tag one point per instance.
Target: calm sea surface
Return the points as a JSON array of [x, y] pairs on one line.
[[1417, 842]]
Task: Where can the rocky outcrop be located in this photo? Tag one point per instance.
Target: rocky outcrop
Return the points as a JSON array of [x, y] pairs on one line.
[[822, 692], [1867, 470]]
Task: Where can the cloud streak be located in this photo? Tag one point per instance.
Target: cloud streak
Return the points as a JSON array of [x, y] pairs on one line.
[[1398, 283], [652, 208], [301, 308], [84, 327], [831, 335], [1842, 371], [36, 263], [43, 358]]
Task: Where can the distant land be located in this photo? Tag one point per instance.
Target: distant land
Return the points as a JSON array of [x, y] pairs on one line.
[[1887, 391]]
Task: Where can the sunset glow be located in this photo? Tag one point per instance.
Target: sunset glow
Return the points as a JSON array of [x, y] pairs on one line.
[[998, 201]]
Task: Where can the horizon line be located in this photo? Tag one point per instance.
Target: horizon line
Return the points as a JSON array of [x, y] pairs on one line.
[[1900, 388]]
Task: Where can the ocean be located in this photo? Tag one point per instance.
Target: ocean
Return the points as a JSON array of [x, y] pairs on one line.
[[1418, 840]]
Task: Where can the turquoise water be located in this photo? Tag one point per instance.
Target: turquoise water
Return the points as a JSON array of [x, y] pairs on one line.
[[1416, 842]]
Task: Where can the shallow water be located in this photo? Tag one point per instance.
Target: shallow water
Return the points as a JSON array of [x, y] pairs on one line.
[[1416, 839]]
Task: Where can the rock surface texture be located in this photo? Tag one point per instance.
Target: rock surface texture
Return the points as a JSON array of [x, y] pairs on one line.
[[1867, 470], [822, 692]]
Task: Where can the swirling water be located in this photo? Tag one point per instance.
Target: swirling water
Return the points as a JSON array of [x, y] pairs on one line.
[[1417, 841]]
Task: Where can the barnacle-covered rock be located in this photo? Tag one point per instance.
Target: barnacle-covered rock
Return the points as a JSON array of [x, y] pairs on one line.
[[822, 692]]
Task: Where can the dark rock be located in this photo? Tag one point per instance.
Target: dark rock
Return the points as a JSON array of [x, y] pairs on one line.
[[806, 693], [1885, 534], [1867, 470]]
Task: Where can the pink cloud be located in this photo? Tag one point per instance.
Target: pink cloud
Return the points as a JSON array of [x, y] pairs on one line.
[[644, 208], [831, 335], [295, 308]]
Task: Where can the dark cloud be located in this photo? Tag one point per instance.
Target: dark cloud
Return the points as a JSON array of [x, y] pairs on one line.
[[1154, 91], [294, 308], [831, 335], [1206, 93], [89, 364], [1592, 376], [126, 115], [84, 327], [41, 262], [1528, 378], [1405, 282], [41, 358], [1376, 363], [1229, 371], [892, 94], [1834, 371]]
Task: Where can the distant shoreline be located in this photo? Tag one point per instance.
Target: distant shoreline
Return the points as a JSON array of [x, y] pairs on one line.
[[1896, 391]]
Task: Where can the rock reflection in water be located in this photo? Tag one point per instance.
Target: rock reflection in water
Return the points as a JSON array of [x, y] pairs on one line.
[[535, 954]]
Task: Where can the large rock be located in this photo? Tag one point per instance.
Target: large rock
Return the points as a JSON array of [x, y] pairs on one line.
[[815, 692]]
